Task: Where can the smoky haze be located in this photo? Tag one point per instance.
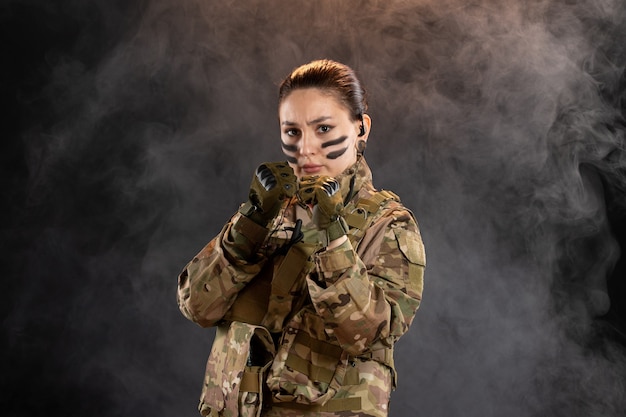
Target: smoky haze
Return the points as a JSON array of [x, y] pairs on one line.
[[135, 129]]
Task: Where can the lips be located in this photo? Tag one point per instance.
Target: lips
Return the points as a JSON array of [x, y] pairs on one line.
[[311, 169]]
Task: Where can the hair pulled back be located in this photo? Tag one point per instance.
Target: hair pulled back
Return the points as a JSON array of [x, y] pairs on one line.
[[332, 76]]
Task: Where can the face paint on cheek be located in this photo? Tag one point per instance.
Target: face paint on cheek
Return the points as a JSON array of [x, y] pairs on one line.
[[289, 148], [336, 154], [334, 142]]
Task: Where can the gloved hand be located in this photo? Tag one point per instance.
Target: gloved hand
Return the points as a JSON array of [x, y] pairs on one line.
[[272, 183], [324, 194]]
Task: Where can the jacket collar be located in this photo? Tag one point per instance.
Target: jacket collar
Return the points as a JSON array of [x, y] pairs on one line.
[[355, 178]]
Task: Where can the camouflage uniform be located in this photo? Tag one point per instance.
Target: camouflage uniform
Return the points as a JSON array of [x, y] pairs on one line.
[[309, 330]]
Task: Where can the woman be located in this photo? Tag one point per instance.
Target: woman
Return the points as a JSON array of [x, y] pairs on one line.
[[315, 278]]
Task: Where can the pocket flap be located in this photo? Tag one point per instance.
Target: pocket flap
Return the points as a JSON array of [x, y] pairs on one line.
[[411, 245]]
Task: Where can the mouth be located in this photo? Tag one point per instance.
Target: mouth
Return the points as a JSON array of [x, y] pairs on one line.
[[311, 169]]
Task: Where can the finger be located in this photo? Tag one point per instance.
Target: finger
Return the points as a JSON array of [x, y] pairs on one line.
[[307, 195], [266, 177], [330, 187]]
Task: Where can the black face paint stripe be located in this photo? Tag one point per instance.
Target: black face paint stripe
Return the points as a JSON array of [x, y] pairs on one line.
[[291, 159], [334, 142], [337, 154], [290, 148]]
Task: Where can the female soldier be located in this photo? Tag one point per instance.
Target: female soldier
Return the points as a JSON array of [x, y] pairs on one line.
[[317, 275]]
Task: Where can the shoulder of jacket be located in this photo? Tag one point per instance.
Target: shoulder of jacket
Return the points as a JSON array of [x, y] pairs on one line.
[[388, 203], [372, 207], [373, 200], [392, 212]]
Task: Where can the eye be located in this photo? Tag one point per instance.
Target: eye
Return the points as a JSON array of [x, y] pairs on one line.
[[292, 132], [324, 128]]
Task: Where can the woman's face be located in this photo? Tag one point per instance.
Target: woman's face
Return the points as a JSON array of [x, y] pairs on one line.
[[318, 135]]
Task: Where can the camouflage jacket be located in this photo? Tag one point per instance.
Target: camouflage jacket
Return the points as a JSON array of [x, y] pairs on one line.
[[325, 321]]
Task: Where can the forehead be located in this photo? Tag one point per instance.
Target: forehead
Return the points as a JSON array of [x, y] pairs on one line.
[[311, 103]]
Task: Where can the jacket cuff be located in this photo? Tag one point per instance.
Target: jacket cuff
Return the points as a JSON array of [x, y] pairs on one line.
[[332, 263], [243, 239], [250, 230]]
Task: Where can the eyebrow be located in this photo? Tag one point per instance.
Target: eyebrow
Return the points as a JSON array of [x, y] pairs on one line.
[[312, 122]]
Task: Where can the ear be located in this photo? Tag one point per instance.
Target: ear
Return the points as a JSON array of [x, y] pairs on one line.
[[367, 125]]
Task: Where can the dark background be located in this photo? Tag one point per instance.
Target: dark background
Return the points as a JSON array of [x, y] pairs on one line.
[[131, 130]]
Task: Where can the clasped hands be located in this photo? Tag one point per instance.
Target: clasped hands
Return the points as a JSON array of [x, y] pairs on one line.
[[273, 182]]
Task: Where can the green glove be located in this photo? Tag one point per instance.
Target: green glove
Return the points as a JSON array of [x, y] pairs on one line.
[[272, 183], [324, 194]]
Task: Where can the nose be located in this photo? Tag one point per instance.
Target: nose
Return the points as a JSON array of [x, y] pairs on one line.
[[307, 145]]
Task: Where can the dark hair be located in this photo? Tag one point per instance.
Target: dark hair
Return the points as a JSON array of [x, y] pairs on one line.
[[337, 78]]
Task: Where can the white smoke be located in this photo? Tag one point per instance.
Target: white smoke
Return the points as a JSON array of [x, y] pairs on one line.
[[499, 123]]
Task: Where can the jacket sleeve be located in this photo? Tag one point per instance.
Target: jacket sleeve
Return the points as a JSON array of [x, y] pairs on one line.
[[210, 282], [368, 307]]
